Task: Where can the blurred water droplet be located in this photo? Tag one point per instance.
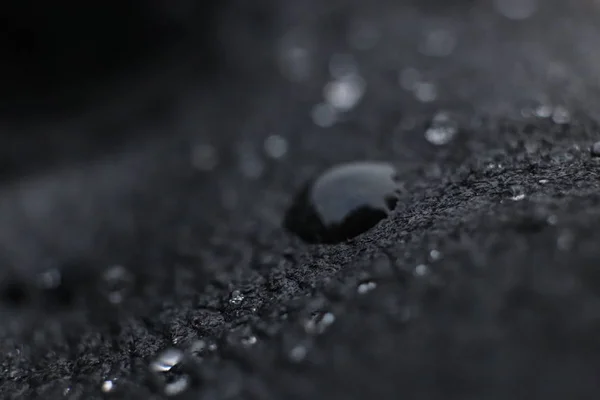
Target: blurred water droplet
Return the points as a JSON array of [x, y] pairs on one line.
[[249, 341], [595, 149], [409, 78], [107, 386], [438, 43], [66, 391], [49, 279], [319, 322], [561, 115], [177, 386], [344, 93], [276, 146], [543, 181], [516, 9], [518, 197], [204, 157], [421, 270], [117, 283], [324, 115], [425, 92], [565, 240], [343, 202], [166, 360], [236, 298], [517, 193], [552, 220], [543, 111], [366, 287], [295, 59], [435, 255], [250, 163], [442, 129], [298, 353]]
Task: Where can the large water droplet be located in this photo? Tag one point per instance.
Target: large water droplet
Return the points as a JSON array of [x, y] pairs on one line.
[[166, 360], [344, 202]]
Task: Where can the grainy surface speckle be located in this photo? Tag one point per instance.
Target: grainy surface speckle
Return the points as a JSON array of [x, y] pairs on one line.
[[153, 263]]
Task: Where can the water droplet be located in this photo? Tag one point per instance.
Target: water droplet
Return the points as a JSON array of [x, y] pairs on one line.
[[298, 353], [324, 115], [295, 59], [438, 43], [319, 322], [543, 181], [425, 92], [552, 220], [518, 197], [236, 298], [442, 129], [366, 287], [561, 115], [204, 157], [344, 93], [250, 163], [543, 111], [344, 202], [66, 391], [249, 341], [516, 9], [595, 149], [517, 193], [107, 386], [117, 283], [177, 386], [49, 279], [421, 270], [166, 360], [435, 255], [276, 146]]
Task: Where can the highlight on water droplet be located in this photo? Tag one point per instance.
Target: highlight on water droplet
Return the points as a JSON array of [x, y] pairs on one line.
[[166, 360], [442, 129], [236, 298], [366, 287], [343, 202]]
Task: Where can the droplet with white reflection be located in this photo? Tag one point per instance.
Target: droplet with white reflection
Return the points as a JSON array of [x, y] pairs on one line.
[[166, 360], [344, 93], [442, 129]]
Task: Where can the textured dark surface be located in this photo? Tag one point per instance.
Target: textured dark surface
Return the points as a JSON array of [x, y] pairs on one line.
[[487, 279]]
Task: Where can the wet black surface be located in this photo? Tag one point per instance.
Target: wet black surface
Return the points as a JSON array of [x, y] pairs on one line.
[[483, 284]]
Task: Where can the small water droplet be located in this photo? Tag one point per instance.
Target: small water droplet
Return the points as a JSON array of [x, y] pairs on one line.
[[236, 298], [421, 270], [543, 111], [298, 353], [552, 220], [276, 146], [250, 163], [442, 129], [344, 93], [49, 279], [561, 115], [295, 59], [518, 197], [425, 92], [319, 322], [166, 360], [344, 202], [595, 149], [435, 255], [366, 287], [107, 386], [117, 281], [66, 391], [177, 386], [543, 181], [324, 115], [516, 9], [249, 341]]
